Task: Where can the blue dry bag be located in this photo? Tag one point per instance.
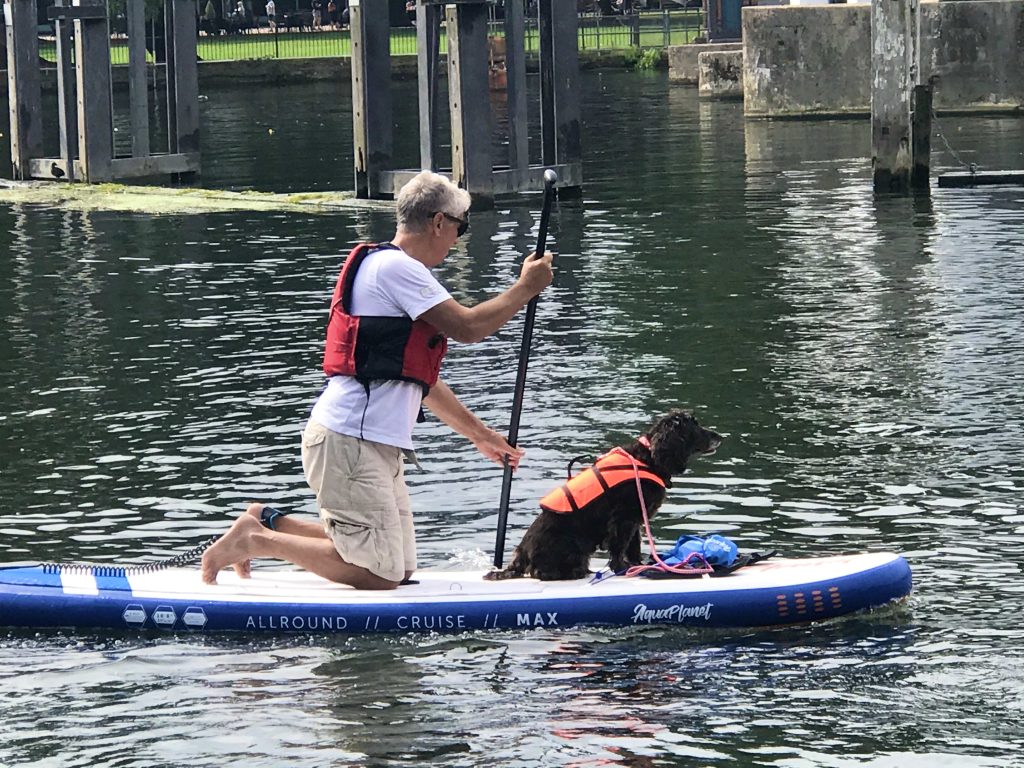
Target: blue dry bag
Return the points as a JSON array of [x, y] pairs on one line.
[[717, 550]]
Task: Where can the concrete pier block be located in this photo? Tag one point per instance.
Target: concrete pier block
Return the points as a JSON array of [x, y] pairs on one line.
[[682, 60], [720, 75], [975, 53], [806, 60], [816, 60]]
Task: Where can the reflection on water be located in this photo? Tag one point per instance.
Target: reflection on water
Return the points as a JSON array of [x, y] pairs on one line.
[[861, 355], [783, 697]]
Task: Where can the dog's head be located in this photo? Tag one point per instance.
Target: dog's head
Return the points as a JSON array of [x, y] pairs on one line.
[[675, 438]]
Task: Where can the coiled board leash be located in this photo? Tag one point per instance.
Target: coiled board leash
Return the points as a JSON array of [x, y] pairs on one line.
[[120, 571]]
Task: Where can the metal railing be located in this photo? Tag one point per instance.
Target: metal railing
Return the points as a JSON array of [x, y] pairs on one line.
[[294, 36], [657, 29]]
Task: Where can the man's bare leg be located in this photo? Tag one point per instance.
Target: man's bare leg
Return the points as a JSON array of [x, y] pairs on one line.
[[247, 539], [284, 523]]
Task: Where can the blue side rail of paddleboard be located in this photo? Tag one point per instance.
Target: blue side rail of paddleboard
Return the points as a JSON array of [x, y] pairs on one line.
[[30, 597]]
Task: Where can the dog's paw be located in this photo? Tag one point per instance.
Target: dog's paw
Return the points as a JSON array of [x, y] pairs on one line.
[[620, 565]]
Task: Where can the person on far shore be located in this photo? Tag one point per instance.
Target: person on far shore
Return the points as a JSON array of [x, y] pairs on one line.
[[210, 18], [386, 337]]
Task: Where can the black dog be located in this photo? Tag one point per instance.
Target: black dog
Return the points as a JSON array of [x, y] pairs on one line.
[[558, 544]]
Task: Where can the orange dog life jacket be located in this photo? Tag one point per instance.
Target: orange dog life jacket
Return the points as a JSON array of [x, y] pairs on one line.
[[612, 469]]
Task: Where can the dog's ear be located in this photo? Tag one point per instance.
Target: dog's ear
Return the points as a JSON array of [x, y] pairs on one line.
[[674, 439]]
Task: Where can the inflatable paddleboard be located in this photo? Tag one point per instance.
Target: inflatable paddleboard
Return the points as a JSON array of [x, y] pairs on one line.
[[772, 592]]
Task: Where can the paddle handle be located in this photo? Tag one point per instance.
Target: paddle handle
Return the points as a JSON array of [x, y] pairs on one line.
[[550, 179]]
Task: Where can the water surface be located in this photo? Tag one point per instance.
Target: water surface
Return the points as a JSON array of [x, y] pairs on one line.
[[862, 355]]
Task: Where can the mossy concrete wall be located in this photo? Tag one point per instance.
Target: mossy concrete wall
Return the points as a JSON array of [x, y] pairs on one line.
[[975, 52], [720, 74], [806, 60], [683, 60], [816, 60]]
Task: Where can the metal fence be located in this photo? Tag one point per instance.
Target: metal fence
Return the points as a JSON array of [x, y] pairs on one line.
[[658, 29], [294, 35]]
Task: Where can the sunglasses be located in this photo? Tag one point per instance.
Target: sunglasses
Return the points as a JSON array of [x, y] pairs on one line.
[[463, 223]]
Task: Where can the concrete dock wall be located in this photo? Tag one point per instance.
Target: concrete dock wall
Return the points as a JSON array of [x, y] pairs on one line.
[[816, 60], [721, 74], [975, 52], [683, 61], [806, 60]]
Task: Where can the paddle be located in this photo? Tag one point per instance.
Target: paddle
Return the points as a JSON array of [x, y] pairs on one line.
[[550, 179]]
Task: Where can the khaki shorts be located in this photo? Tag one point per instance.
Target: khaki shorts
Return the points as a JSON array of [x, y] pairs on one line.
[[364, 504]]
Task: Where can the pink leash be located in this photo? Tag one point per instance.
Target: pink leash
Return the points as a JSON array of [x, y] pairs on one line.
[[660, 565]]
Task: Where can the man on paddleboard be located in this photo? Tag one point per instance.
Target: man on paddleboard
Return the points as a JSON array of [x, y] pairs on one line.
[[387, 334]]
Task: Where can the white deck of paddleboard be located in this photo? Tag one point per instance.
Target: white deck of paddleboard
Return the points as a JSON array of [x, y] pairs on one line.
[[276, 586]]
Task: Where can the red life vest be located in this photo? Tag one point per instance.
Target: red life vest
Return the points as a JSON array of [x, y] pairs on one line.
[[371, 347], [612, 469]]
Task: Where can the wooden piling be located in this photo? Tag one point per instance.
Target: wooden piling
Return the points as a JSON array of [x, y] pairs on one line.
[[515, 91], [85, 97], [92, 71], [545, 29], [370, 29], [921, 131], [186, 76], [67, 106], [138, 93], [470, 101], [24, 87], [895, 35], [559, 65], [428, 42]]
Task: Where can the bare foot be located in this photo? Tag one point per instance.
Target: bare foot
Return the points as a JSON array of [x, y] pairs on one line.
[[244, 567], [231, 549]]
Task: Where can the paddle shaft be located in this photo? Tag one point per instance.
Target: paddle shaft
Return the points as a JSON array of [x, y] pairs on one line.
[[550, 180]]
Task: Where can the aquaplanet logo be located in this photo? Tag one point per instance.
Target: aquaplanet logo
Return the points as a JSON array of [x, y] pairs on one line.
[[674, 613]]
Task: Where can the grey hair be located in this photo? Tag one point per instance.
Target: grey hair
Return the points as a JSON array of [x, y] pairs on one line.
[[425, 194]]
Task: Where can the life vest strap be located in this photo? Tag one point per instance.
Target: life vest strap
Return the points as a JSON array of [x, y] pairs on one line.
[[570, 498], [600, 478], [595, 481]]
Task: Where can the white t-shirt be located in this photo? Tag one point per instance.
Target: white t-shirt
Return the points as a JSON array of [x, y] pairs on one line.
[[389, 283]]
